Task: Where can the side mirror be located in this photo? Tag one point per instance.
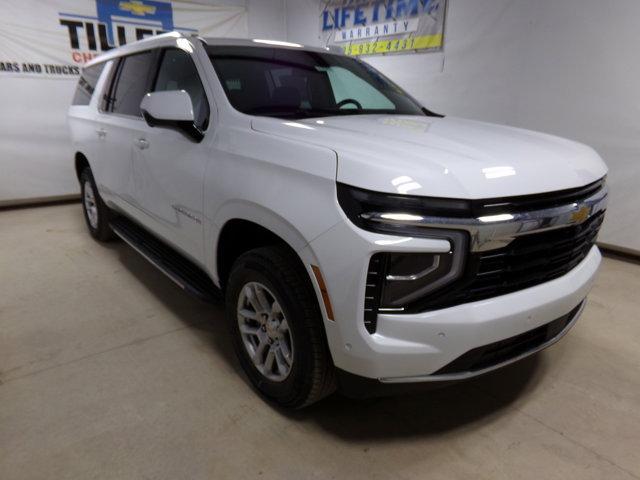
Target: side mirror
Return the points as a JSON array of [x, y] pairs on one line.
[[171, 109]]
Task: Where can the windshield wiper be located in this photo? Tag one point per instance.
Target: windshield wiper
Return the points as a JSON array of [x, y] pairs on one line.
[[429, 113], [269, 110], [274, 111]]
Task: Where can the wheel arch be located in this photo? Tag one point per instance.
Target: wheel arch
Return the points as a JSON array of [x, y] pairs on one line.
[[80, 162], [247, 226], [237, 237]]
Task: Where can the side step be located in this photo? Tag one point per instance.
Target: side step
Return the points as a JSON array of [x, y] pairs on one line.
[[186, 274]]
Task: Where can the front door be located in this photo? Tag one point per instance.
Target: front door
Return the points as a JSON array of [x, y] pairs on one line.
[[169, 167]]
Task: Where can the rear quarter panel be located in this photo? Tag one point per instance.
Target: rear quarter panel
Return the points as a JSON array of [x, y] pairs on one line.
[[83, 125]]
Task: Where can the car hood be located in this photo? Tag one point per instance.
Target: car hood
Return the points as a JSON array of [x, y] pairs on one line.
[[443, 157]]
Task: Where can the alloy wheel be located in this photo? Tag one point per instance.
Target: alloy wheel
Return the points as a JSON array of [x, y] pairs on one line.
[[265, 331], [90, 205]]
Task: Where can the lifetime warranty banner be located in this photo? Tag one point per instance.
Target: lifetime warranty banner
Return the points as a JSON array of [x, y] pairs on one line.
[[53, 38], [379, 27]]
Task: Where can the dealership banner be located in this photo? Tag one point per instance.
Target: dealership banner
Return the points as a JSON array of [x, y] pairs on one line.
[[53, 38], [380, 27]]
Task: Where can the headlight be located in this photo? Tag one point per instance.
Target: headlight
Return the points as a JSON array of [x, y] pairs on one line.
[[393, 213], [396, 281], [410, 276], [401, 282]]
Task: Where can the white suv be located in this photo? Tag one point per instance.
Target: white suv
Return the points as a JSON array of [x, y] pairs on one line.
[[360, 240]]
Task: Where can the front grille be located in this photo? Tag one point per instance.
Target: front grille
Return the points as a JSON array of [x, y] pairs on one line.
[[534, 259], [504, 350], [527, 261]]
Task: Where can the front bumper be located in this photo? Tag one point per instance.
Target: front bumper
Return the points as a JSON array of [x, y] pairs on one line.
[[500, 353], [412, 347]]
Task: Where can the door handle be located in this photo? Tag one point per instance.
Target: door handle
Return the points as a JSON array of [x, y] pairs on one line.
[[142, 143], [101, 133]]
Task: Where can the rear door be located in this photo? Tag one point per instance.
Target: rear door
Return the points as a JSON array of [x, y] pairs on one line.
[[118, 119], [169, 166]]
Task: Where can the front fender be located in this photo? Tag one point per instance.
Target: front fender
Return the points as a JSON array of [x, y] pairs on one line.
[[284, 185], [252, 212]]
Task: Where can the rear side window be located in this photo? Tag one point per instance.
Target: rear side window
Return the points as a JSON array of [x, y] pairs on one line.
[[178, 72], [130, 83], [87, 84]]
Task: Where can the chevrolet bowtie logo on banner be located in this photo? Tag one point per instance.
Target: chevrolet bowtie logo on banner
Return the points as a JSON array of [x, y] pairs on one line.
[[137, 8], [149, 16], [374, 27]]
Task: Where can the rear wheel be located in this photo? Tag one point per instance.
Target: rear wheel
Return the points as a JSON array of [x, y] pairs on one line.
[[96, 213], [277, 328]]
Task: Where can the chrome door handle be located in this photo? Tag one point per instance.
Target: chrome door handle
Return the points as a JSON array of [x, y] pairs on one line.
[[101, 133], [142, 143]]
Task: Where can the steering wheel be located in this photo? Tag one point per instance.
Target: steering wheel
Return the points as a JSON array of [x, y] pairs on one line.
[[347, 101]]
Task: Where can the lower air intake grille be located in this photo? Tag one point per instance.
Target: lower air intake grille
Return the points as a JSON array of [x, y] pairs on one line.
[[372, 292], [510, 348]]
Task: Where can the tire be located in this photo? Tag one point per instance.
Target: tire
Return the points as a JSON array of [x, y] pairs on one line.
[[96, 213], [294, 320]]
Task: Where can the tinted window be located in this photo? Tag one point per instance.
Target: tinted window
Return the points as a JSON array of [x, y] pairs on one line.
[[297, 83], [178, 72], [347, 85], [131, 83], [87, 84]]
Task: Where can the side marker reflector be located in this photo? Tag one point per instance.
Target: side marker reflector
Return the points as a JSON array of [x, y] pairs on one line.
[[323, 291]]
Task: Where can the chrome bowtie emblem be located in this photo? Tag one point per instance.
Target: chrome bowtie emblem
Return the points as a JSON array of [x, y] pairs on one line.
[[580, 215]]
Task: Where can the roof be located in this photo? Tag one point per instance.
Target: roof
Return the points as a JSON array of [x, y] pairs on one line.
[[170, 38]]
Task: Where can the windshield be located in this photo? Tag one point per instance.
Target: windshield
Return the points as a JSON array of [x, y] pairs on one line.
[[299, 84]]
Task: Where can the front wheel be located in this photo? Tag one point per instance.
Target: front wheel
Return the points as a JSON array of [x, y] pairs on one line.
[[277, 329]]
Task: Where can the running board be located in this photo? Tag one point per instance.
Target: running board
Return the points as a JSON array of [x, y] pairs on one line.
[[184, 273]]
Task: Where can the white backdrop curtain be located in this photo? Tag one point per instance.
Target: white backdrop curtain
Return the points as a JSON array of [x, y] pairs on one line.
[[42, 45]]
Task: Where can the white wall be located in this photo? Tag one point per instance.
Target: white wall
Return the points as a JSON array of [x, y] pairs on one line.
[[267, 18], [580, 81], [569, 68], [35, 176]]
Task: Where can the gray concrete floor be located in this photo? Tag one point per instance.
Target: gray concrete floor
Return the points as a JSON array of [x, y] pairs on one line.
[[109, 371]]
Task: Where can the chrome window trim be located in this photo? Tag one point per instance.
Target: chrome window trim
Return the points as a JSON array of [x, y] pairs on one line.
[[497, 231]]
